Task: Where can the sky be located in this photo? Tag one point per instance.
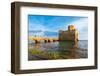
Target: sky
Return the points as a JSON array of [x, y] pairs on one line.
[[49, 25]]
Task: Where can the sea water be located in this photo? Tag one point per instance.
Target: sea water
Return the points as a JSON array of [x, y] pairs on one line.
[[58, 50]]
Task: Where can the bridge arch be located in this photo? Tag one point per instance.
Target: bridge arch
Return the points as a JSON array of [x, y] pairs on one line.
[[37, 41], [45, 41]]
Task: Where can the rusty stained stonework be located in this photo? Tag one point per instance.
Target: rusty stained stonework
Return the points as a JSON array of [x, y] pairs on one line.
[[69, 35]]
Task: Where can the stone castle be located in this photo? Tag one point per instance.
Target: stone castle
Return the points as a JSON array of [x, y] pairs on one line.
[[69, 35]]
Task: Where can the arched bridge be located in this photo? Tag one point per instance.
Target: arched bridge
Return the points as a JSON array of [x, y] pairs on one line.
[[41, 39]]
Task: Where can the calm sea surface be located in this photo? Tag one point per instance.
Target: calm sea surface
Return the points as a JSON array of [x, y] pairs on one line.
[[57, 50]]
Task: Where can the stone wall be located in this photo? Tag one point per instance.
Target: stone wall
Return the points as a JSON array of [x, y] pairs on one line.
[[69, 35]]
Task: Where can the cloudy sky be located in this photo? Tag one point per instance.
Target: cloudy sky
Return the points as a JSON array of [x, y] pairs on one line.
[[48, 26]]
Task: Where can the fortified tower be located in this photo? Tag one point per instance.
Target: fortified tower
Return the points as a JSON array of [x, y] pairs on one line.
[[69, 35]]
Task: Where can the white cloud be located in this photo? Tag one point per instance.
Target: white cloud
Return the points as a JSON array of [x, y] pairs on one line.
[[82, 27], [36, 27], [33, 26]]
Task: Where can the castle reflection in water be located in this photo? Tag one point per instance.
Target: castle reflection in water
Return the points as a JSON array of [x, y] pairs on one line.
[[69, 49]]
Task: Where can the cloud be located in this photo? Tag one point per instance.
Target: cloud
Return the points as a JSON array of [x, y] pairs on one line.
[[36, 29], [82, 27], [33, 26]]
